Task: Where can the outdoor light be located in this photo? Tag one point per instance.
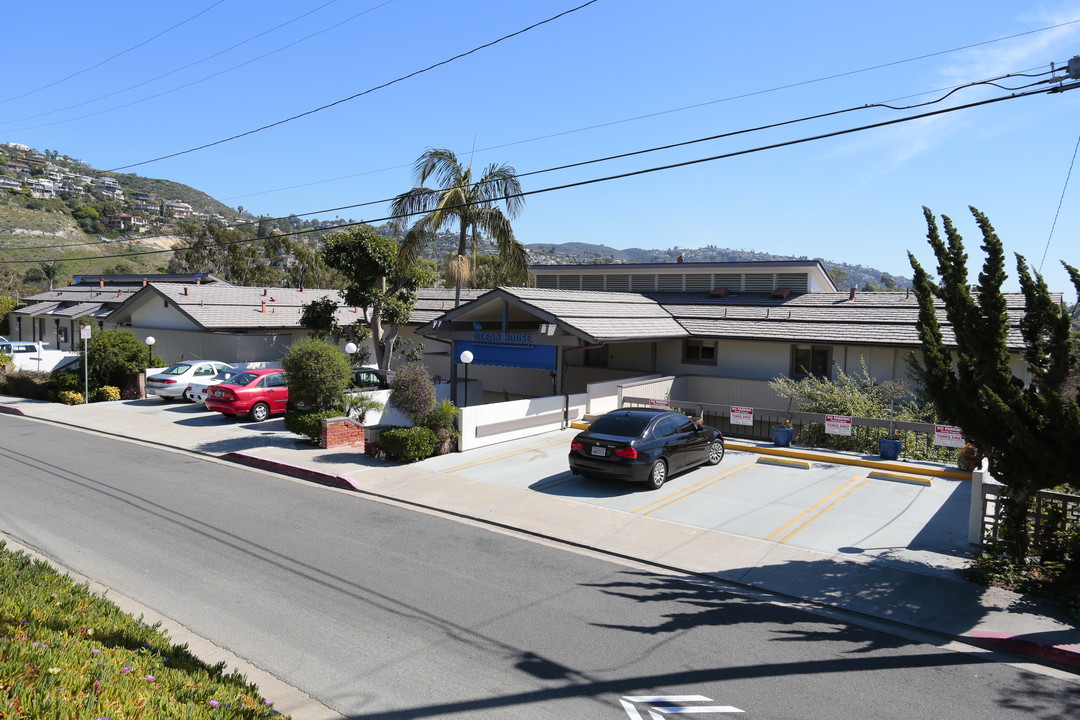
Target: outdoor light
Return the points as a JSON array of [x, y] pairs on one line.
[[350, 348], [466, 357], [150, 340]]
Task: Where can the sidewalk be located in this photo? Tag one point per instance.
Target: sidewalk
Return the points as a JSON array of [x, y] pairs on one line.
[[942, 604]]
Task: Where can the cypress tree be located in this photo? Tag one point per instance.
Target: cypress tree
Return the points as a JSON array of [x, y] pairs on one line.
[[1029, 432]]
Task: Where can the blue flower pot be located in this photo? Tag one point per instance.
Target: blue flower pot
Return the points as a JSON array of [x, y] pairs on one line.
[[889, 449], [782, 436]]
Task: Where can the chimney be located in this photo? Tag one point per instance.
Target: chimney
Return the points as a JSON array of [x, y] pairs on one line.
[[851, 294], [263, 307], [144, 282], [101, 283], [198, 279], [264, 292], [185, 290]]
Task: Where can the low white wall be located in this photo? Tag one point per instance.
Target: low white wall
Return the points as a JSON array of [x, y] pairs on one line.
[[392, 416], [604, 396], [480, 424]]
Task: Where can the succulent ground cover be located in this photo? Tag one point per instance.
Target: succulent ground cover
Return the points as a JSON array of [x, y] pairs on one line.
[[67, 654]]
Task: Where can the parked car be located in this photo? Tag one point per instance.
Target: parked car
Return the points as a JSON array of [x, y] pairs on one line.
[[255, 393], [372, 379], [173, 381], [644, 445], [198, 389]]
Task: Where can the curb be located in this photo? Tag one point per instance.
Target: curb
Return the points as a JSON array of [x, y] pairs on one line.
[[839, 459], [1066, 656], [296, 471]]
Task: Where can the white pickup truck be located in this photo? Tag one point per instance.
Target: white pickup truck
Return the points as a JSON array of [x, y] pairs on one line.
[[27, 355]]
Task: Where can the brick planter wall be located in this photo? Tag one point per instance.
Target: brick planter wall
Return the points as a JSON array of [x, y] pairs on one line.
[[341, 432]]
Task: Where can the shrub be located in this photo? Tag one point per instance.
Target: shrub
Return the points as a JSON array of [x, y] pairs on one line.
[[70, 397], [443, 422], [318, 373], [113, 355], [308, 424], [358, 404], [412, 392], [67, 379], [408, 444], [108, 393], [27, 384]]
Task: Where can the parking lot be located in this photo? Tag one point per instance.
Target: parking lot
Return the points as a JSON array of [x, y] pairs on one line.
[[828, 507]]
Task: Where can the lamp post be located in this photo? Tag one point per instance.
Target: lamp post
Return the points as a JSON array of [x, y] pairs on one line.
[[150, 340], [466, 357]]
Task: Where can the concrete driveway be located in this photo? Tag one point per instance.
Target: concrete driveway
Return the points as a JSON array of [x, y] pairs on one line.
[[823, 506]]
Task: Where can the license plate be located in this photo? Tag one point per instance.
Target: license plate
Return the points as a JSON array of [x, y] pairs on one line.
[[597, 450]]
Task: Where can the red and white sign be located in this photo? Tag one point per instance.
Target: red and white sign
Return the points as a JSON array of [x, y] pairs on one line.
[[742, 415], [837, 425], [84, 332], [659, 404], [948, 436]]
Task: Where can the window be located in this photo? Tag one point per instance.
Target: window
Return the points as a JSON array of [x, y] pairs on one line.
[[807, 360], [61, 335], [702, 352]]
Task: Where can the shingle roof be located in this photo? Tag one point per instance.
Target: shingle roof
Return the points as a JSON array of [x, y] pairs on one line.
[[602, 316]]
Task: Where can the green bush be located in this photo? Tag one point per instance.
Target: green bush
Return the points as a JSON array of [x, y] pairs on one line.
[[67, 379], [443, 422], [408, 444], [318, 373], [309, 423], [70, 397], [113, 355], [109, 393], [27, 384]]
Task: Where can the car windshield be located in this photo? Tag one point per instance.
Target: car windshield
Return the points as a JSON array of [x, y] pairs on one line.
[[178, 369], [624, 425], [226, 374], [244, 378]]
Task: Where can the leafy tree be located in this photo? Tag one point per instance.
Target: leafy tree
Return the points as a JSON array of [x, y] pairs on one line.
[[112, 356], [377, 281], [318, 373], [472, 203], [320, 316], [52, 271], [7, 304], [412, 392], [1029, 433]]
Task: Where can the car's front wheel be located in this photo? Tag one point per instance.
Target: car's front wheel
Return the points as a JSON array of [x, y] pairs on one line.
[[716, 452], [657, 474], [259, 412]]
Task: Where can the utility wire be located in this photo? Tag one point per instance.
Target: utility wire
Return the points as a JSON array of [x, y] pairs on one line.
[[200, 80], [360, 94], [113, 57], [733, 133], [1060, 201], [608, 178]]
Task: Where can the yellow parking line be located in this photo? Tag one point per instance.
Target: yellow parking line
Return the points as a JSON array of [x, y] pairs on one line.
[[504, 456], [693, 489], [808, 510]]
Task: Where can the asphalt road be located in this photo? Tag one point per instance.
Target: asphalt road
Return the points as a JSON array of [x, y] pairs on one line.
[[384, 612]]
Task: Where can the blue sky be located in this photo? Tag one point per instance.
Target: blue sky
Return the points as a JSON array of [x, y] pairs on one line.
[[121, 82]]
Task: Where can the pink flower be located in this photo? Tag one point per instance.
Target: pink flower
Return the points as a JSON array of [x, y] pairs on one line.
[[151, 678], [213, 703], [127, 670]]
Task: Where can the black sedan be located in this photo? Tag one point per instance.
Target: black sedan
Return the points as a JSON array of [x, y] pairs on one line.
[[644, 446]]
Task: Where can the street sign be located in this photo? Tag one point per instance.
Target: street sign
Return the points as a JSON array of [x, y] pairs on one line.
[[742, 415], [659, 404], [837, 425], [948, 436], [84, 332]]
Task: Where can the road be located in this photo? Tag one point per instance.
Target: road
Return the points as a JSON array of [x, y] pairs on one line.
[[383, 612]]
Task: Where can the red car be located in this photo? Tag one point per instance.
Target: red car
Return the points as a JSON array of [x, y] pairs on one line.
[[256, 393]]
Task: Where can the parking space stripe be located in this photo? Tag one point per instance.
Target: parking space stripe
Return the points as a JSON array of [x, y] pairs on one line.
[[683, 493], [503, 456], [810, 509]]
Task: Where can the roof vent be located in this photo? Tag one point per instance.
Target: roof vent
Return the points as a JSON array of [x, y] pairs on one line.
[[780, 294], [851, 294], [719, 293]]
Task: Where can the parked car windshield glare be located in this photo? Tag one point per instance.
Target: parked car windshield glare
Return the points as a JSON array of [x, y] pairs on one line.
[[243, 378], [622, 425], [178, 369]]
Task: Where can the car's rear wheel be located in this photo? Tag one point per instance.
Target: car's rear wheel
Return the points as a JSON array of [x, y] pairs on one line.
[[657, 474], [165, 398], [259, 412], [716, 452], [186, 397]]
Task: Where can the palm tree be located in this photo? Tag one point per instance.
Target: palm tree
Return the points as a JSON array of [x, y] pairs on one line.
[[471, 203]]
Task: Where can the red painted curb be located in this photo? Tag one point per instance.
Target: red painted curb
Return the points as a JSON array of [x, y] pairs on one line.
[[11, 410], [323, 478], [1064, 655]]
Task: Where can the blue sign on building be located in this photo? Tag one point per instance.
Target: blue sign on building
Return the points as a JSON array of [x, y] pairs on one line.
[[508, 354]]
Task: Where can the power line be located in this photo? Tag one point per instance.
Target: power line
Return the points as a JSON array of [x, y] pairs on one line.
[[733, 133], [645, 171], [360, 94], [687, 107], [1060, 201], [202, 79], [113, 57]]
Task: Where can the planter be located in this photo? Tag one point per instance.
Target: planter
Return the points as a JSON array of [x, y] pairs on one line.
[[782, 436], [889, 449]]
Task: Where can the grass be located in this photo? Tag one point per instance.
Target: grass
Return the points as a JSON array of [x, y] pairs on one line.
[[67, 654]]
